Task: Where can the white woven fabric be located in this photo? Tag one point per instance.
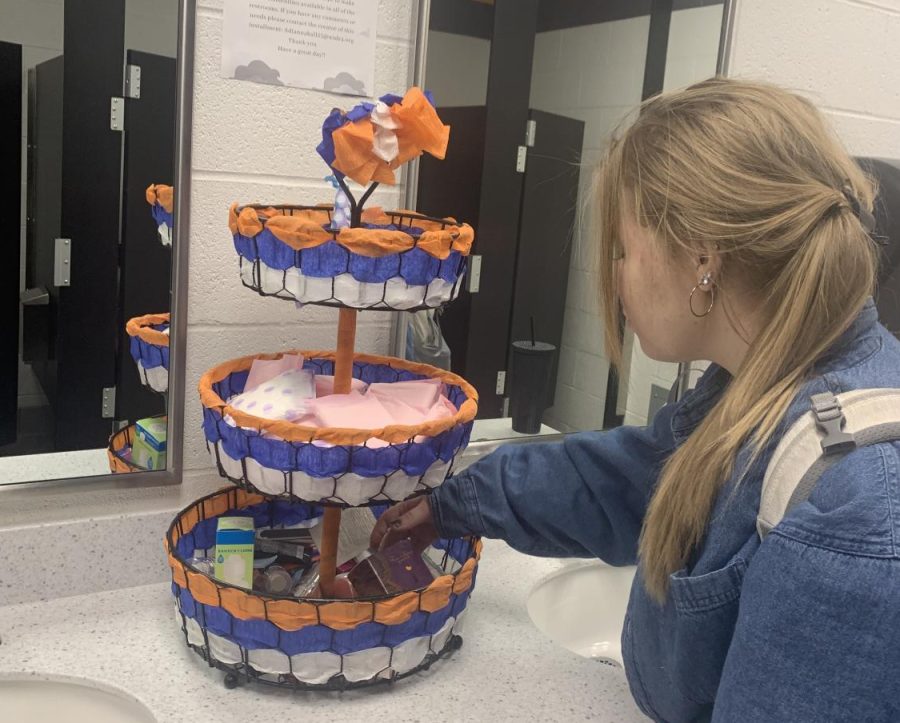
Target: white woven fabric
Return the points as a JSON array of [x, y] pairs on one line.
[[393, 294], [318, 668], [351, 488], [157, 378]]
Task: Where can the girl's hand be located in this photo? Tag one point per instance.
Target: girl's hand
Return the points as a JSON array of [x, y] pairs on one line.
[[410, 519]]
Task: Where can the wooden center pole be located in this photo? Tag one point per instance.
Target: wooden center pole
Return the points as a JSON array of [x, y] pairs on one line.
[[343, 374]]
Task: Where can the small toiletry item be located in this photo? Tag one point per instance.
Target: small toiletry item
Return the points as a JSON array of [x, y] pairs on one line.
[[439, 559], [148, 448], [261, 560], [202, 564], [278, 580], [295, 543], [234, 551], [309, 584], [357, 524], [394, 569], [436, 570]]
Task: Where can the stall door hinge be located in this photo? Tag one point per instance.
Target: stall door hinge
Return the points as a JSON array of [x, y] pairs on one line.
[[133, 81], [521, 154], [108, 409], [473, 276], [530, 132], [501, 383], [62, 262], [117, 114]]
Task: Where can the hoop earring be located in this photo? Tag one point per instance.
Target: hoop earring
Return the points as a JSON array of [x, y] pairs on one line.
[[705, 284]]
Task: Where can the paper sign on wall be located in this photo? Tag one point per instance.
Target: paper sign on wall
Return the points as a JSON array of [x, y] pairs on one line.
[[321, 44]]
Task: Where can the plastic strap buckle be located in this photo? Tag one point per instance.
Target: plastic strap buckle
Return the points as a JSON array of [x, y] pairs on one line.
[[831, 420]]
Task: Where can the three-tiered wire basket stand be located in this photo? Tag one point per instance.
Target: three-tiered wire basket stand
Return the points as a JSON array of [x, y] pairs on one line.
[[284, 474]]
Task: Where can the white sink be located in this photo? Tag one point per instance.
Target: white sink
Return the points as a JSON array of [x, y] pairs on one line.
[[582, 607], [51, 701]]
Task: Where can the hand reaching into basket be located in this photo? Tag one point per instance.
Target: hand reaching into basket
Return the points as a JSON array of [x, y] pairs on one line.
[[410, 519]]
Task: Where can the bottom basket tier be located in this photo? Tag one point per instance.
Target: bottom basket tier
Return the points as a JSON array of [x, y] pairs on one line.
[[306, 643]]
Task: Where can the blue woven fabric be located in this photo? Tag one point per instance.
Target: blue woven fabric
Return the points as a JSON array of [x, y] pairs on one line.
[[161, 216], [414, 266], [413, 458], [150, 355], [255, 634]]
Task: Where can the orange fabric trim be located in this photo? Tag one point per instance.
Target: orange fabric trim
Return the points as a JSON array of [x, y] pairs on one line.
[[375, 241], [396, 610], [436, 596], [140, 326], [290, 432], [463, 579], [248, 222], [297, 614], [161, 194], [298, 232]]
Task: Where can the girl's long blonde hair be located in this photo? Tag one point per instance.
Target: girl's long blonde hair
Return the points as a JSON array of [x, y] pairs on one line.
[[754, 172]]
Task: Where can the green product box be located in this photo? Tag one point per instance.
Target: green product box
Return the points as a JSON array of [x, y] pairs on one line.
[[152, 431], [234, 551], [143, 455]]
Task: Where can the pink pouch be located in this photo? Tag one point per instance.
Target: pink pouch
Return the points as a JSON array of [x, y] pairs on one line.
[[353, 410], [421, 395], [262, 370]]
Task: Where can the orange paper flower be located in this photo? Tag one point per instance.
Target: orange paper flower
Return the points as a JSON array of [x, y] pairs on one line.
[[419, 130]]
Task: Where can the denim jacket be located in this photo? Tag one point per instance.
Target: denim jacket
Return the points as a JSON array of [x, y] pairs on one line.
[[803, 627]]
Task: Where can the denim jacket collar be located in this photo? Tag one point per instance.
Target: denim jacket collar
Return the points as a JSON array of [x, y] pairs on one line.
[[850, 348]]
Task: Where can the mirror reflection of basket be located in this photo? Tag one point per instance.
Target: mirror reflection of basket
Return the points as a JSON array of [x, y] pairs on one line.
[[310, 643], [150, 349], [397, 260], [161, 200], [119, 450], [342, 466]]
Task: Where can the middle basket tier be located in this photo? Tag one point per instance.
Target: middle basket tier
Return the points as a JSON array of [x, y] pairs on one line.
[[328, 465]]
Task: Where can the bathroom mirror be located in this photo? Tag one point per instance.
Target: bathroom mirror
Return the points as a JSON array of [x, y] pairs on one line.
[[95, 97], [532, 90]]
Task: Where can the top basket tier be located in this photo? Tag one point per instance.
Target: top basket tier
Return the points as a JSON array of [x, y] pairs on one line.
[[397, 260]]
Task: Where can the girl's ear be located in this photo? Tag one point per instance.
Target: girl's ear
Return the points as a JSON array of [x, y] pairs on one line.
[[709, 262]]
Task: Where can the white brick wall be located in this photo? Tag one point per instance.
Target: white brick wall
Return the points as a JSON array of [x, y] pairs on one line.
[[256, 142], [844, 54], [593, 73]]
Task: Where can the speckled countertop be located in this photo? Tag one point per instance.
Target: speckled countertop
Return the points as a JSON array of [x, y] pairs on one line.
[[506, 670]]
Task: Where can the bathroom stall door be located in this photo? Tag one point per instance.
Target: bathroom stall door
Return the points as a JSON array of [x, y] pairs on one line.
[[10, 212], [546, 231], [146, 263], [45, 196], [87, 322]]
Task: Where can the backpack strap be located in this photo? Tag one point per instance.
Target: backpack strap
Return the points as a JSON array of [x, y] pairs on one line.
[[834, 427]]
